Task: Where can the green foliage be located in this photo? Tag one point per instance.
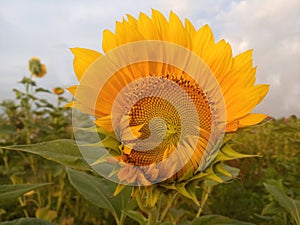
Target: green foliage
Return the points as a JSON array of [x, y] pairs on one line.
[[9, 193], [28, 221], [217, 220], [277, 144], [66, 153], [99, 191], [62, 151], [32, 118], [284, 209], [36, 136]]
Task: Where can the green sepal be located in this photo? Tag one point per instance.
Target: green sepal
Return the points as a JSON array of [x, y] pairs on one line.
[[118, 189], [188, 190], [99, 130], [108, 143], [187, 175], [226, 153], [212, 175], [153, 194]]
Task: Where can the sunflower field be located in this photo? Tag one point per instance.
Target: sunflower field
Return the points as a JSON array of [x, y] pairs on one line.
[[37, 184]]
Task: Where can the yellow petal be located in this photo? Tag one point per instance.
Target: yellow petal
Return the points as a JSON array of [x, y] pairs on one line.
[[202, 39], [248, 120], [72, 89], [109, 41], [146, 28], [219, 59], [161, 23], [190, 28], [251, 119], [243, 101], [177, 31], [105, 123], [126, 33], [242, 73], [132, 20], [232, 126], [69, 105], [83, 59]]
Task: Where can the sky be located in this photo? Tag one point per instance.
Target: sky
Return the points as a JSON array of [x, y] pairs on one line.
[[47, 29]]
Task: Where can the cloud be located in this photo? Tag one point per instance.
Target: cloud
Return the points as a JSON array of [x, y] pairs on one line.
[[47, 29], [272, 28]]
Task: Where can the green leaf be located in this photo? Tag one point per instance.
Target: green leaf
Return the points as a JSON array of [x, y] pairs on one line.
[[272, 209], [289, 204], [27, 221], [62, 151], [9, 193], [46, 214], [19, 94], [218, 220], [42, 90], [108, 142], [137, 216], [27, 80], [99, 191], [7, 129]]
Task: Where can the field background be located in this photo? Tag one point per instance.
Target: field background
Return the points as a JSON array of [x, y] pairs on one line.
[[31, 118]]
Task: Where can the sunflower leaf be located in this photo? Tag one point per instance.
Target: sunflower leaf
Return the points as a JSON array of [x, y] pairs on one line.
[[100, 192], [62, 151], [99, 130], [108, 142], [9, 193], [290, 205]]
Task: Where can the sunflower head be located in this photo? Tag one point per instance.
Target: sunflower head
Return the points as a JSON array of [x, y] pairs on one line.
[[163, 94], [36, 68], [58, 90]]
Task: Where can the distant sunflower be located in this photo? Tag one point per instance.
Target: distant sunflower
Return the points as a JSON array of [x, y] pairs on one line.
[[36, 68], [235, 77], [58, 90]]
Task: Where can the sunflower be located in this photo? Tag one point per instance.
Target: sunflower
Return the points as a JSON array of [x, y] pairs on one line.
[[58, 90], [36, 68], [170, 108]]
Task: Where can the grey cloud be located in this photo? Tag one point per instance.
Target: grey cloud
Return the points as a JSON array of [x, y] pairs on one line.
[[48, 28]]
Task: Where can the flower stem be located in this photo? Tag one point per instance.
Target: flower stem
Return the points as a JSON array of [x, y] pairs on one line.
[[166, 209], [206, 193], [152, 216], [12, 178], [122, 218], [146, 204], [139, 200], [27, 116]]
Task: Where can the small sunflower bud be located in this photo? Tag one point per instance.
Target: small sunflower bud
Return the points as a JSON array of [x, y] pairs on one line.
[[58, 90]]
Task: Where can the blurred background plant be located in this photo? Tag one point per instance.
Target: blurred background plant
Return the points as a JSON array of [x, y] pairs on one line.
[[266, 192], [277, 143], [32, 118]]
